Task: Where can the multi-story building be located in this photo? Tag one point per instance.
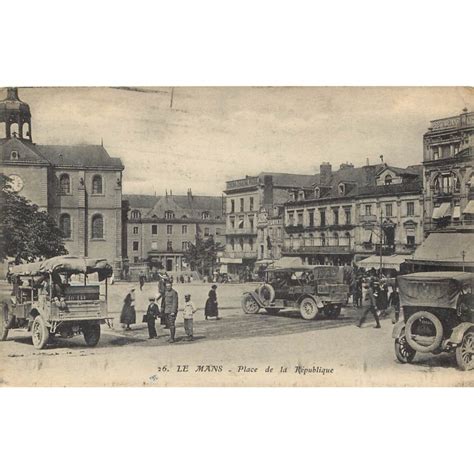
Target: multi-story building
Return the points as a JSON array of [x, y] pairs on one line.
[[351, 213], [448, 172], [79, 185], [254, 220], [160, 229]]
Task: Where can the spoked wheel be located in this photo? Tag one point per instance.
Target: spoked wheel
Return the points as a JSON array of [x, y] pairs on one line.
[[91, 334], [405, 354], [249, 305], [465, 351], [308, 309], [4, 322], [40, 333]]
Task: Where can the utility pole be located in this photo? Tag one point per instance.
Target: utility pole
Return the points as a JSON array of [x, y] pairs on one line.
[[381, 238], [463, 253]]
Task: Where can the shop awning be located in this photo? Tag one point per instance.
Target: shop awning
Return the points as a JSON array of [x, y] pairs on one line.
[[388, 262], [230, 260], [446, 249], [469, 209], [443, 210]]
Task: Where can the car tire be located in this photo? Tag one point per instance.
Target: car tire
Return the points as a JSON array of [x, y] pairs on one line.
[[266, 294], [91, 334], [465, 351], [308, 309], [249, 305], [403, 351], [438, 337], [40, 333], [4, 322]]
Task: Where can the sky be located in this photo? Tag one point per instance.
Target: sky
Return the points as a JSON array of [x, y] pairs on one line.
[[202, 137]]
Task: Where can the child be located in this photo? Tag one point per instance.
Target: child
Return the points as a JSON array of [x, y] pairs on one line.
[[188, 312], [151, 313]]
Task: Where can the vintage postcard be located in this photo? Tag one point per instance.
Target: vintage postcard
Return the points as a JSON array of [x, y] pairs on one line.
[[236, 236]]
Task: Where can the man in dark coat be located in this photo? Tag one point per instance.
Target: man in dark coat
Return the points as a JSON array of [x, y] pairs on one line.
[[161, 294], [372, 308], [170, 309], [151, 313]]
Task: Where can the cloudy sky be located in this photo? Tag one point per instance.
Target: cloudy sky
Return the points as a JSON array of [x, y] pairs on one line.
[[211, 135]]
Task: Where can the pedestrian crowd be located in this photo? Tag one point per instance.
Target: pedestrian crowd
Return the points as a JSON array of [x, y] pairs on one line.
[[165, 307]]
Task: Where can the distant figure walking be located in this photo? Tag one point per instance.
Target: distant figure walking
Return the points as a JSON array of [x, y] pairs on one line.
[[141, 279], [128, 315], [211, 309], [372, 308]]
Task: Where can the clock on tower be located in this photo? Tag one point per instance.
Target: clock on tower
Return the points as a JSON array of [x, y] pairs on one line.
[[16, 183]]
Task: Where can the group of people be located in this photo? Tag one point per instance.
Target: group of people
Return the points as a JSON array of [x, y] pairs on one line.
[[379, 300], [167, 310]]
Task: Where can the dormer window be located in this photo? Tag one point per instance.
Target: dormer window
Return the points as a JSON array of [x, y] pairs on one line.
[[388, 179], [317, 193], [301, 195], [205, 215], [135, 215], [14, 155], [169, 215], [342, 188]]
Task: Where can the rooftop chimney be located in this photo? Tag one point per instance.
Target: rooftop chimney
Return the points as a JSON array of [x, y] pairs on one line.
[[325, 173]]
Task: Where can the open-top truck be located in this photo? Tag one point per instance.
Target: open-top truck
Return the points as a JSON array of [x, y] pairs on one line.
[[47, 303]]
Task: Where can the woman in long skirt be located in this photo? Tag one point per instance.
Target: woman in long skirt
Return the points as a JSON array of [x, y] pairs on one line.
[[211, 310], [128, 315]]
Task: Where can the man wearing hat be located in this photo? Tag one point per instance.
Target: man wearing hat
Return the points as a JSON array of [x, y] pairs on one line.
[[151, 313], [170, 308], [372, 308]]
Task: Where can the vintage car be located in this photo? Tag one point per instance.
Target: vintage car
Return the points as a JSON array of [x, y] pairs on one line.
[[437, 316], [313, 290], [45, 300]]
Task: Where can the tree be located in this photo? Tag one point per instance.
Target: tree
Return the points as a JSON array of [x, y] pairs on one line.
[[202, 255], [26, 233]]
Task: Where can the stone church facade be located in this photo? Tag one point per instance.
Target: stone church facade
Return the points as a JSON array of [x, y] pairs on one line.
[[79, 185]]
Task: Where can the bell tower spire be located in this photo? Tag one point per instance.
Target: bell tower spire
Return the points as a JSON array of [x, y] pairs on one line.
[[16, 116]]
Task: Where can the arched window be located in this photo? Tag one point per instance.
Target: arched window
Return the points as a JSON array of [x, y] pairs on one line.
[[65, 225], [317, 193], [388, 179], [65, 184], [97, 184], [323, 240], [232, 244], [135, 215], [97, 227], [251, 243], [335, 237], [348, 238], [241, 243]]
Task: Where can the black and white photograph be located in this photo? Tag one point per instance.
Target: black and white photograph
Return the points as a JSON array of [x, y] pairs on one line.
[[237, 236]]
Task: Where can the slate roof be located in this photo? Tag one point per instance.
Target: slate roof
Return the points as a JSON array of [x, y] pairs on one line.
[[28, 152], [182, 205], [80, 156], [290, 180]]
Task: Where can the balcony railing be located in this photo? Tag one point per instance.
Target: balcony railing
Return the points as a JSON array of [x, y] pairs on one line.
[[317, 249], [240, 254], [237, 231]]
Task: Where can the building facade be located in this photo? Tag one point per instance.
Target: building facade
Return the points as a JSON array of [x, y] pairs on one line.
[[254, 218], [160, 229], [448, 172], [79, 185], [352, 213]]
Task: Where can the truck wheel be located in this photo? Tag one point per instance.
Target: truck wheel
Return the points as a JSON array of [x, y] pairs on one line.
[[40, 333], [421, 343], [308, 309], [4, 322], [465, 351], [91, 334], [405, 354], [249, 305]]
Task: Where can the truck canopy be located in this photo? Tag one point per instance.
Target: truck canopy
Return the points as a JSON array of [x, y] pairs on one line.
[[65, 264], [431, 289]]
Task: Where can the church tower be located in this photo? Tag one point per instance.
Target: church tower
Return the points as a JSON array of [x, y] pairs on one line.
[[16, 116]]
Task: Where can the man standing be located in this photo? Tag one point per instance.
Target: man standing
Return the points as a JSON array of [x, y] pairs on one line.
[[372, 308], [170, 308], [161, 297]]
